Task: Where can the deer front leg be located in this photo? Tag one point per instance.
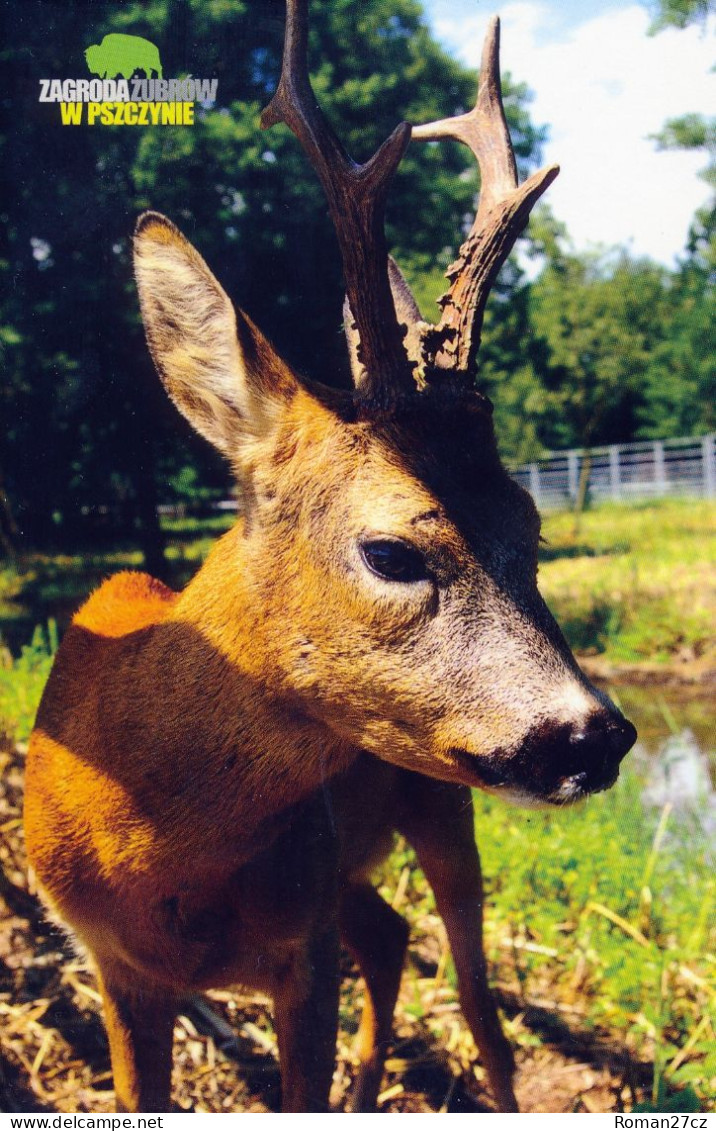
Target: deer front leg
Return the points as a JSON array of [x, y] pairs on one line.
[[306, 1020], [437, 819], [377, 938], [140, 1026]]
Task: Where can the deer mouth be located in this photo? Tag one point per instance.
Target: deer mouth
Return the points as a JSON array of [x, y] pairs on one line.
[[484, 771], [577, 787], [527, 777]]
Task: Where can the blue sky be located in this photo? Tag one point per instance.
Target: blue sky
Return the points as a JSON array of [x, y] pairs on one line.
[[602, 85]]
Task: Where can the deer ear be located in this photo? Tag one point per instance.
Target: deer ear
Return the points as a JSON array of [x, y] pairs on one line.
[[407, 313], [216, 366]]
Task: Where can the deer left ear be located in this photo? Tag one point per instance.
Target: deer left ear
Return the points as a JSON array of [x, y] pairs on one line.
[[216, 365]]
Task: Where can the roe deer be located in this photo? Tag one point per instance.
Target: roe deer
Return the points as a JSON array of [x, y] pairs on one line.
[[213, 773]]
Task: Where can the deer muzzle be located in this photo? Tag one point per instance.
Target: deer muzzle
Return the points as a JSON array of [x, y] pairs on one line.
[[558, 763]]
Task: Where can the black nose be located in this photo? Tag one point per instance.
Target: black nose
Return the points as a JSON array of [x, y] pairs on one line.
[[597, 747], [564, 762]]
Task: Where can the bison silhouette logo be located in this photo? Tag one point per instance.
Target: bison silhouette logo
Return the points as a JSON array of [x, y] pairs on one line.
[[123, 55]]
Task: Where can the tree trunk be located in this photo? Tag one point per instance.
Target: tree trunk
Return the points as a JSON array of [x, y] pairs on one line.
[[9, 532], [581, 499]]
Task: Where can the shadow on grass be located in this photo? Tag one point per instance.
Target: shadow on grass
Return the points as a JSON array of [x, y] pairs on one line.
[[82, 1029], [579, 1044], [14, 1093], [550, 553], [591, 630]]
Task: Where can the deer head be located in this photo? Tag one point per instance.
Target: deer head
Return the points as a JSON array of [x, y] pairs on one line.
[[386, 563]]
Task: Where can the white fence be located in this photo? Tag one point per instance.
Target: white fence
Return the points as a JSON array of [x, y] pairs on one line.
[[623, 472]]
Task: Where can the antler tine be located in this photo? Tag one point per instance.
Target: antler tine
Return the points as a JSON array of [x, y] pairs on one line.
[[356, 199], [502, 214], [484, 129]]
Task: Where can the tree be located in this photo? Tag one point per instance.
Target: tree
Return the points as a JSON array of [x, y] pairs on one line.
[[682, 382], [679, 13], [691, 131], [85, 424], [601, 320], [680, 389]]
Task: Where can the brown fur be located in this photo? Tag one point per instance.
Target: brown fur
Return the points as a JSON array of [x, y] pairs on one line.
[[213, 773]]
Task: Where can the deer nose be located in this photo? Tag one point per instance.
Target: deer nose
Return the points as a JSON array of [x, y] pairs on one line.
[[597, 747]]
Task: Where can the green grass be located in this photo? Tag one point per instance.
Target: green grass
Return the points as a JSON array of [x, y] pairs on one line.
[[605, 911], [634, 583]]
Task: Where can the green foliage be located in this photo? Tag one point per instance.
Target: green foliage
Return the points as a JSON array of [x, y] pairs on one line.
[[693, 132], [618, 348], [594, 349], [696, 131], [678, 13], [684, 1100], [600, 321], [22, 682], [680, 379], [87, 425], [624, 895]]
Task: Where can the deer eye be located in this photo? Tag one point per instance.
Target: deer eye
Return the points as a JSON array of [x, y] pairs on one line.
[[394, 561]]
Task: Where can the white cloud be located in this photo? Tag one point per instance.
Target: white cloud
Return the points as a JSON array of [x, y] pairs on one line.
[[603, 86]]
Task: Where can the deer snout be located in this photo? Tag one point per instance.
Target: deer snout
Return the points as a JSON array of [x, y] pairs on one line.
[[584, 757], [600, 745], [557, 762]]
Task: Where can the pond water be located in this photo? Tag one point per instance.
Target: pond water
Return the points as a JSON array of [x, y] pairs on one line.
[[675, 754]]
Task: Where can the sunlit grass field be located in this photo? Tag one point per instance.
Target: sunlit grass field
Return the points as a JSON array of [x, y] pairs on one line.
[[634, 583]]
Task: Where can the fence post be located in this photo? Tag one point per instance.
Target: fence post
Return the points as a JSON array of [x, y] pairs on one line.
[[659, 468], [535, 484], [573, 474], [708, 452], [615, 485]]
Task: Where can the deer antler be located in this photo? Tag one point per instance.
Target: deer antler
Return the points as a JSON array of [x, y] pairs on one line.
[[503, 211], [356, 200]]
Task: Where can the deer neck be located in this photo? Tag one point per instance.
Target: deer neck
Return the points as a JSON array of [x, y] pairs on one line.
[[266, 733]]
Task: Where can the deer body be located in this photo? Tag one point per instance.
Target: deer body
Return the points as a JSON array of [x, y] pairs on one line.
[[214, 773], [147, 852]]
